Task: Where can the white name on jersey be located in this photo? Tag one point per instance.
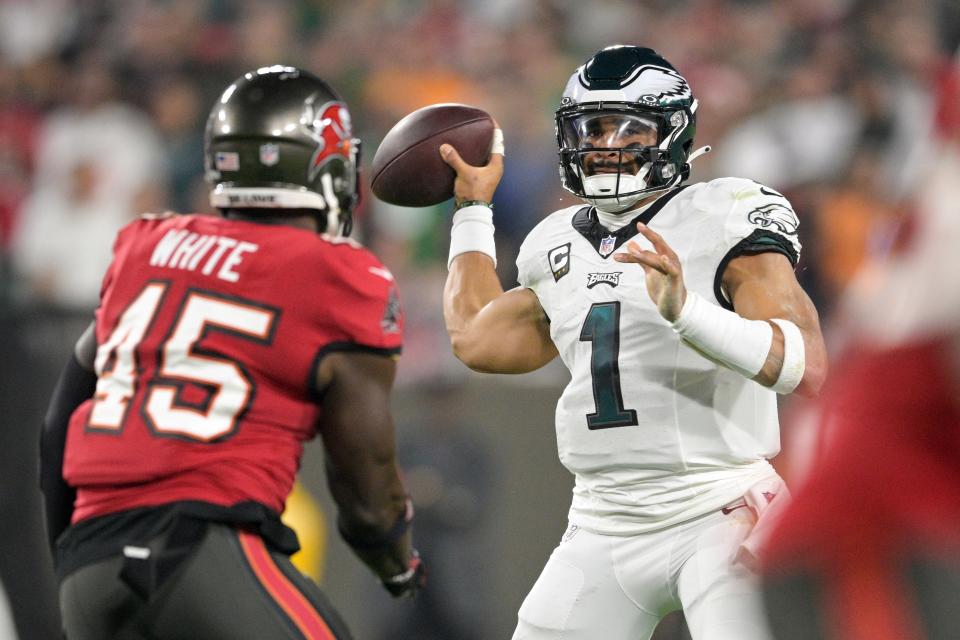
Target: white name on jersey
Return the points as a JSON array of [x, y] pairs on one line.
[[182, 249]]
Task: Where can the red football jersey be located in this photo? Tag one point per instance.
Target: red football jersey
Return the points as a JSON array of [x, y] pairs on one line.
[[209, 332], [889, 473], [885, 492]]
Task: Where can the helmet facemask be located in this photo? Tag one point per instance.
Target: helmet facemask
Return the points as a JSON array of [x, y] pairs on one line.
[[614, 155], [335, 165]]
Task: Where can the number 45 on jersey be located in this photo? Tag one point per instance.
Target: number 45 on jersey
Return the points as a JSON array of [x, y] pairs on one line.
[[180, 362]]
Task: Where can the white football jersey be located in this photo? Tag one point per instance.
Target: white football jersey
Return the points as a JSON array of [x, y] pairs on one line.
[[654, 432]]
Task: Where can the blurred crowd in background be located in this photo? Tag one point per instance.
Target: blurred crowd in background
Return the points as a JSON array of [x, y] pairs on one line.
[[103, 105]]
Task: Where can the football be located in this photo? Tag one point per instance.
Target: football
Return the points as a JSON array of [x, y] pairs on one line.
[[407, 169]]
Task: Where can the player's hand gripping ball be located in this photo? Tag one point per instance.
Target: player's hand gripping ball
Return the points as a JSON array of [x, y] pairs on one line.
[[407, 169]]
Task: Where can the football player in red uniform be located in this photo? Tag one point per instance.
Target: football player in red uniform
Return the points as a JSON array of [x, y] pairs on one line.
[[220, 346], [870, 546]]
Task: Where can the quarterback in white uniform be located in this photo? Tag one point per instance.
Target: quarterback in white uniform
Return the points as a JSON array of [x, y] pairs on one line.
[[677, 312]]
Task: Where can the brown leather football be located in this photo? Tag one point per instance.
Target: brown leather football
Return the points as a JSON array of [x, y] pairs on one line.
[[407, 169]]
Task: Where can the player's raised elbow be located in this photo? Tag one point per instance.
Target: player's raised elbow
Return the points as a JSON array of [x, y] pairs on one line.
[[502, 352], [469, 352], [814, 375], [485, 356]]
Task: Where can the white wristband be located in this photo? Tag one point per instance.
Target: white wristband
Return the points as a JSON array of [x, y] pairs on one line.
[[723, 336], [794, 357], [472, 231], [496, 145]]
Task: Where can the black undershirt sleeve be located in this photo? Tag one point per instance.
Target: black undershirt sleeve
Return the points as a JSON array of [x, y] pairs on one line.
[[75, 386], [760, 241]]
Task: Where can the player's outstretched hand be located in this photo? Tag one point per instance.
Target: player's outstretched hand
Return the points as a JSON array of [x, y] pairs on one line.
[[406, 584], [476, 183], [662, 270]]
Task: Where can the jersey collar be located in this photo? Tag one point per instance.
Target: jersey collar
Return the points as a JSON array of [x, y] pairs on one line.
[[604, 241]]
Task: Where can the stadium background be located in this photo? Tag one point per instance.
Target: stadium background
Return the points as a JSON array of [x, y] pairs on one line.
[[102, 106]]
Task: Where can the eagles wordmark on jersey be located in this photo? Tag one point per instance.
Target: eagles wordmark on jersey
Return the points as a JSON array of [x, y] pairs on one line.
[[654, 432]]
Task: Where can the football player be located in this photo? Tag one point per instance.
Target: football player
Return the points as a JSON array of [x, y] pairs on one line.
[[221, 344], [676, 309], [870, 546]]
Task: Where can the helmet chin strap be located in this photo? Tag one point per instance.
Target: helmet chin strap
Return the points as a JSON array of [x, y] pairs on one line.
[[333, 206], [702, 151], [611, 184], [617, 205], [333, 224], [607, 183]]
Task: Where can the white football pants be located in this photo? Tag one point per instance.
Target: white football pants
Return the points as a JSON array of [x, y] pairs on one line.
[[603, 587]]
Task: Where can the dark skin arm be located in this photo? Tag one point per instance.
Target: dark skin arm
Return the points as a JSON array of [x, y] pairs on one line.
[[86, 348], [493, 331], [76, 384], [761, 287], [490, 330], [358, 437]]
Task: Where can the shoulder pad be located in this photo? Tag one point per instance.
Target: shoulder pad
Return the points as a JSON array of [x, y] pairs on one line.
[[719, 195], [559, 217]]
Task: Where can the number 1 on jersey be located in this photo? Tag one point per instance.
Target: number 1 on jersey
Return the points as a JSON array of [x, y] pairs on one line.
[[602, 329]]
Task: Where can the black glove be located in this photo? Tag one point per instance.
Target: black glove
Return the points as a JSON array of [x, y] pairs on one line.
[[406, 584]]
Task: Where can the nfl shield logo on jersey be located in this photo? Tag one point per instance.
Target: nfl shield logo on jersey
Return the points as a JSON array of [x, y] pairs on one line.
[[606, 245], [269, 154]]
